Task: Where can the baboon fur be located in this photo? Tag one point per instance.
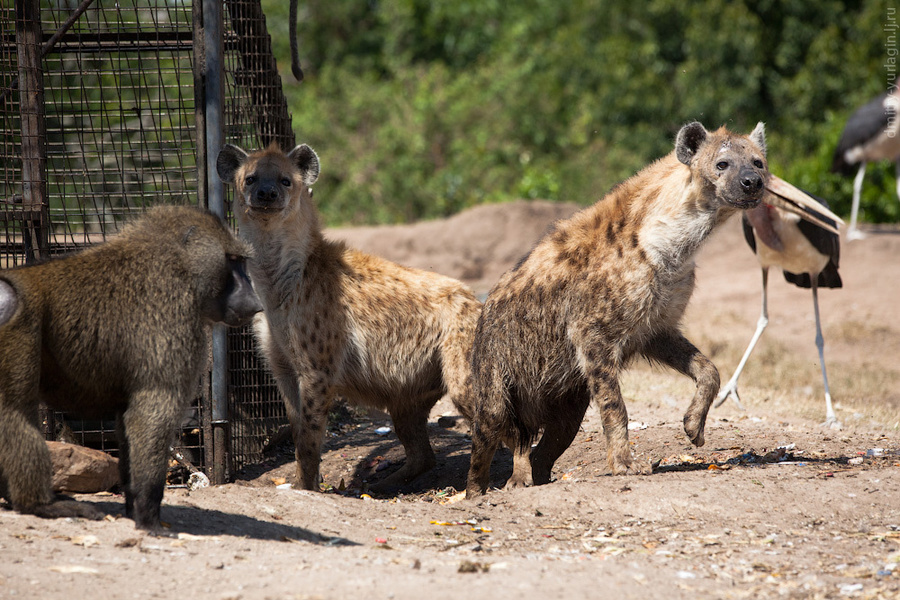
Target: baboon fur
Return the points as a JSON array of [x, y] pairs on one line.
[[342, 322], [599, 288], [119, 329]]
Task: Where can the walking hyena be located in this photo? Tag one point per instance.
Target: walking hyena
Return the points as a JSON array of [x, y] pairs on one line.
[[605, 285], [341, 322]]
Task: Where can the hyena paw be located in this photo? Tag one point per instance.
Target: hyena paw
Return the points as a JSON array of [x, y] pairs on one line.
[[626, 465], [404, 475], [518, 481], [475, 491], [693, 427]]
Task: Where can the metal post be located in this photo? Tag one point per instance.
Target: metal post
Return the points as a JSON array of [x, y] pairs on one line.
[[213, 46], [34, 133]]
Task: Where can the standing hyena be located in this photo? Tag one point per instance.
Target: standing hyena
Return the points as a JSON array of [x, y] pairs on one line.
[[341, 322], [605, 285]]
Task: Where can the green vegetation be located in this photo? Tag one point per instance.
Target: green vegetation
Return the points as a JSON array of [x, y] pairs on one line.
[[420, 108]]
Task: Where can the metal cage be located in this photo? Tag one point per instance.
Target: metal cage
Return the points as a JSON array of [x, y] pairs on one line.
[[104, 111]]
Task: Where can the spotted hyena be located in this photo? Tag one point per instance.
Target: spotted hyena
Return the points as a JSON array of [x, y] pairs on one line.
[[341, 322], [599, 288]]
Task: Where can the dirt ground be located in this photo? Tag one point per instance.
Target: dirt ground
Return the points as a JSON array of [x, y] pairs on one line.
[[773, 506]]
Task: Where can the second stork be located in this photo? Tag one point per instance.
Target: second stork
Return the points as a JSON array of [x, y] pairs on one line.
[[805, 244]]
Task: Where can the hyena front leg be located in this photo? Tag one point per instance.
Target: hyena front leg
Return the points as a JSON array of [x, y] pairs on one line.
[[601, 369], [603, 384], [676, 351], [606, 394], [289, 385], [316, 400]]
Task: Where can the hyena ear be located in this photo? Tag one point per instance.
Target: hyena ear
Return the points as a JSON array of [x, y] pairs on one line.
[[689, 140], [229, 161], [306, 159], [758, 136]]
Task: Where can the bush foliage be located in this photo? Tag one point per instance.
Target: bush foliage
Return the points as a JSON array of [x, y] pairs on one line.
[[419, 109]]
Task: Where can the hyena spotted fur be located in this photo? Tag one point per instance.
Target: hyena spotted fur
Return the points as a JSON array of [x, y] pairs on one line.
[[599, 288], [338, 321]]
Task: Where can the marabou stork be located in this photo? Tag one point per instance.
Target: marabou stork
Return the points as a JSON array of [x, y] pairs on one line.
[[872, 133], [803, 241]]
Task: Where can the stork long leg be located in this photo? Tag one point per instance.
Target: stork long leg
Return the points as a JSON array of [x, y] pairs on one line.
[[730, 388], [897, 174], [852, 232], [830, 418]]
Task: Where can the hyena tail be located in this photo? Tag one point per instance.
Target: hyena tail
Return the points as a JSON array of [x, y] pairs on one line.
[[456, 354]]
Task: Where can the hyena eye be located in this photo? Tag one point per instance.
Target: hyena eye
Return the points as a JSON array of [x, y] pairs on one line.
[[250, 180], [758, 164], [286, 182], [722, 165]]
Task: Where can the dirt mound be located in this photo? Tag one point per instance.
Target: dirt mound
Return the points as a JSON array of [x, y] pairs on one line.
[[476, 245]]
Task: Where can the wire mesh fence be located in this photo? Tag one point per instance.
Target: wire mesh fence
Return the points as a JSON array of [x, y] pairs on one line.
[[101, 116]]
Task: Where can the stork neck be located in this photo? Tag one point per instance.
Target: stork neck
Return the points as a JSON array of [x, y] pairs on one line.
[[762, 218]]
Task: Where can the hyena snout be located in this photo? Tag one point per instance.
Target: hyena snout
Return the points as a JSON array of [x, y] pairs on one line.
[[267, 194], [745, 191], [751, 181]]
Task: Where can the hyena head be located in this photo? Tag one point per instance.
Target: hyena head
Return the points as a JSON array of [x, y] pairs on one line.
[[269, 182], [732, 165]]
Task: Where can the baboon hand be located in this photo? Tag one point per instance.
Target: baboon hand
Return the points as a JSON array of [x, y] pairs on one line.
[[61, 509]]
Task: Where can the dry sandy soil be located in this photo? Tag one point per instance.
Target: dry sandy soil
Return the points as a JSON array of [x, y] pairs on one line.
[[773, 506]]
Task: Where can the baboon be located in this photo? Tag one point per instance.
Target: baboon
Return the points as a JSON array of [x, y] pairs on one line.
[[117, 329], [599, 288], [341, 322]]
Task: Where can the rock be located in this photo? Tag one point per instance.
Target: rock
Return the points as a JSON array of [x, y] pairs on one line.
[[82, 470]]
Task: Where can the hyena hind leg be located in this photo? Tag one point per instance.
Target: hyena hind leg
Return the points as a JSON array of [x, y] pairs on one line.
[[485, 441], [411, 428], [558, 436]]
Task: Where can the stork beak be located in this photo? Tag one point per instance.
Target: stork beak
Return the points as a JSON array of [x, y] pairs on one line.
[[784, 195]]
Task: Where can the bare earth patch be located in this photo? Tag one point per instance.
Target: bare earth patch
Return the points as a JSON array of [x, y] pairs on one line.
[[772, 506]]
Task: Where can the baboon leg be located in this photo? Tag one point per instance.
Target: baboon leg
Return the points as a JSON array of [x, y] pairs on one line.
[[680, 354], [25, 465], [310, 431], [558, 435], [149, 424], [24, 459], [410, 426], [124, 465]]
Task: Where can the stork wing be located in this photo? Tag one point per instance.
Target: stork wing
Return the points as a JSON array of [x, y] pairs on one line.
[[866, 123]]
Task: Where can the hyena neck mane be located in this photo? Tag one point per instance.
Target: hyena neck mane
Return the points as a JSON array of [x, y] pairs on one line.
[[284, 244], [674, 210]]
